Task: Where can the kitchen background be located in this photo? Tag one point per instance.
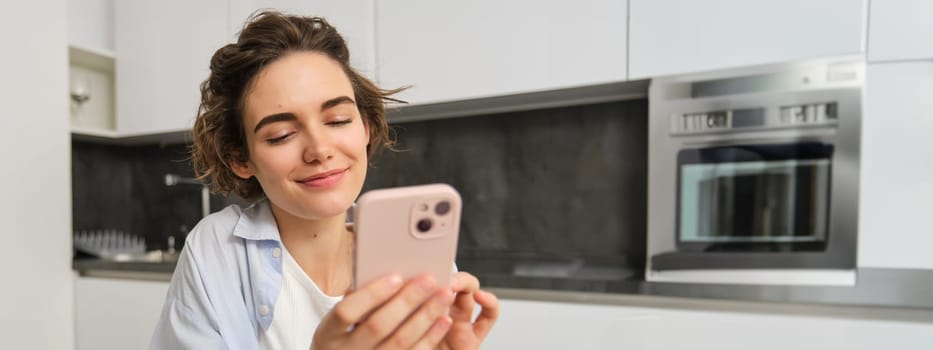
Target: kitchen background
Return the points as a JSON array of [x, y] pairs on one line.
[[526, 198], [123, 188], [526, 73]]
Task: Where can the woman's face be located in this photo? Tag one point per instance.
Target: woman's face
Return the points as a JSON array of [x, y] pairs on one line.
[[305, 135]]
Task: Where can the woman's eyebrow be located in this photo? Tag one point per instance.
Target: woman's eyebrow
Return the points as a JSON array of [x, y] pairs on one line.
[[279, 117], [336, 101], [273, 118]]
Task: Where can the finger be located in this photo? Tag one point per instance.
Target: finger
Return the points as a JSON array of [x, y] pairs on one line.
[[358, 304], [464, 282], [435, 335], [416, 326], [384, 321], [488, 316], [462, 310]]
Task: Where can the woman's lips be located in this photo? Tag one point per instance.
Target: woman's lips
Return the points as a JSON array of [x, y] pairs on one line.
[[324, 180]]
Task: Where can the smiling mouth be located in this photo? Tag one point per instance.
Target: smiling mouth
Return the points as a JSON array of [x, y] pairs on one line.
[[325, 179]]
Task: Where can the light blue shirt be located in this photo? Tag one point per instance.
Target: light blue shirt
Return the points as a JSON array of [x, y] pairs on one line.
[[225, 284]]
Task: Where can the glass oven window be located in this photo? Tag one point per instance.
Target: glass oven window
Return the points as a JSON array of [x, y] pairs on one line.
[[754, 197]]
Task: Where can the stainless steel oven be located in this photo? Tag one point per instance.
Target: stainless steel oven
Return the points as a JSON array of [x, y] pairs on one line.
[[753, 175]]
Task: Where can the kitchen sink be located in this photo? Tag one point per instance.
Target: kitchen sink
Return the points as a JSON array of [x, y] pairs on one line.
[[154, 256]]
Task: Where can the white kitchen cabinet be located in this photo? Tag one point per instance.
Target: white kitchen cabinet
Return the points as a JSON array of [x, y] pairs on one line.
[[91, 65], [91, 91], [549, 325], [163, 51], [896, 166], [90, 24], [686, 36], [900, 30], [354, 19], [116, 313], [456, 50]]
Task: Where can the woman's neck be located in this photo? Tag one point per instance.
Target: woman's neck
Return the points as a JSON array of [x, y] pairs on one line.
[[321, 247]]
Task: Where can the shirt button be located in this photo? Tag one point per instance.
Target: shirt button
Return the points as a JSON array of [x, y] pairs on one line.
[[277, 252], [263, 310]]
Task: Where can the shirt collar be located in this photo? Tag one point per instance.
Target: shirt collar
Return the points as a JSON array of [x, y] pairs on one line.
[[257, 223]]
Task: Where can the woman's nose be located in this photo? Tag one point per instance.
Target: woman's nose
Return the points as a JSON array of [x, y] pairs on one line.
[[319, 146]]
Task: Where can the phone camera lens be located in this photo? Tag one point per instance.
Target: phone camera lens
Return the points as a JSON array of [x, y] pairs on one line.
[[424, 225], [442, 208]]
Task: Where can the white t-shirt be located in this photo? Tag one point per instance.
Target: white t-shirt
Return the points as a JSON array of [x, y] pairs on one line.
[[298, 310]]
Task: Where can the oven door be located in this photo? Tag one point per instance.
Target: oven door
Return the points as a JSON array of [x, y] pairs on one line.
[[754, 198]]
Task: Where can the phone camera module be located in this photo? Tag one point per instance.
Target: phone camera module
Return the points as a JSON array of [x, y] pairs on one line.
[[424, 225], [442, 208]]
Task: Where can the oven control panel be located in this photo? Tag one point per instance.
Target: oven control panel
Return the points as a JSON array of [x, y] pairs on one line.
[[817, 113], [754, 118]]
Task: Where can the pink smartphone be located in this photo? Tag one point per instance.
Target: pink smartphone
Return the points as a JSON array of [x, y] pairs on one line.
[[406, 230]]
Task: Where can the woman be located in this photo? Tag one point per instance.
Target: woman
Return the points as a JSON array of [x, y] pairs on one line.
[[286, 121]]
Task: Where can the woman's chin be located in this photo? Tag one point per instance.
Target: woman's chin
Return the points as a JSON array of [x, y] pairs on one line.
[[318, 215], [318, 211]]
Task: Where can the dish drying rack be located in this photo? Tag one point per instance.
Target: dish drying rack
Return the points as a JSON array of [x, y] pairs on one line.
[[109, 244]]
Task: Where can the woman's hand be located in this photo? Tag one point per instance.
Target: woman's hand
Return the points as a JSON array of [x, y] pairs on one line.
[[465, 333], [387, 314]]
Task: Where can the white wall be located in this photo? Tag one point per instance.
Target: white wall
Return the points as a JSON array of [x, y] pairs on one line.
[[35, 212]]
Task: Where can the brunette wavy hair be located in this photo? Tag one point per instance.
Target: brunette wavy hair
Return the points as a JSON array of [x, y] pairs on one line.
[[218, 134]]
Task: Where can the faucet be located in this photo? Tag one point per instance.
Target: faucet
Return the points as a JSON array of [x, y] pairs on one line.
[[172, 180]]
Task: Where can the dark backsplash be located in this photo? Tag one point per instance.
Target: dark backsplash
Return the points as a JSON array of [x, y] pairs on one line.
[[123, 188], [553, 184], [548, 184]]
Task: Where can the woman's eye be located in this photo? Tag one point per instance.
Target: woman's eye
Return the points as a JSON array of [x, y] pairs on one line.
[[340, 122], [279, 139]]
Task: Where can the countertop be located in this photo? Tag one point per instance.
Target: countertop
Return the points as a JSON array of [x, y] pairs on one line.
[[152, 271], [900, 294], [876, 288]]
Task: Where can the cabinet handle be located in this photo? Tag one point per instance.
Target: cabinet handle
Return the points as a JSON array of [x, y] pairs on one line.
[[80, 97]]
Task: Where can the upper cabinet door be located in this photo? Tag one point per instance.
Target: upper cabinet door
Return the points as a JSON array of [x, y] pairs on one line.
[[163, 53], [455, 50], [685, 36], [896, 179], [353, 19], [90, 24], [900, 30]]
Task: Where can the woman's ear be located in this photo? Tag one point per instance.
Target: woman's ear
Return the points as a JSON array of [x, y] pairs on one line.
[[242, 169]]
